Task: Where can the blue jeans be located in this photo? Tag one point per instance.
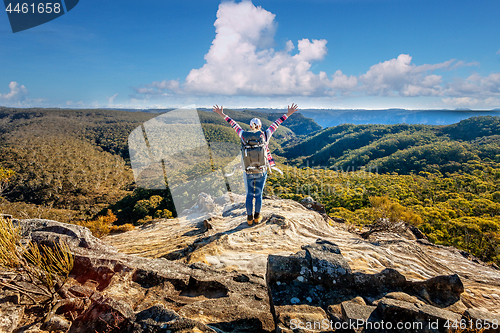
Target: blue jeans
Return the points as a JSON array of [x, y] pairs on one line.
[[254, 186]]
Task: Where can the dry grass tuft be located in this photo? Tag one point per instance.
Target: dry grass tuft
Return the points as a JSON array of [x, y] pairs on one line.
[[46, 268]]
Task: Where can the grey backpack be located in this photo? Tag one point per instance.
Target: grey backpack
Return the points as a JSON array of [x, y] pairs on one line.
[[253, 148]]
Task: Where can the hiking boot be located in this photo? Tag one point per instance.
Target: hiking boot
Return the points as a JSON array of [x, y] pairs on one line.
[[257, 218], [249, 219]]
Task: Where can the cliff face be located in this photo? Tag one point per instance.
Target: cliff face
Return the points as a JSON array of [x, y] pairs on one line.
[[202, 273]]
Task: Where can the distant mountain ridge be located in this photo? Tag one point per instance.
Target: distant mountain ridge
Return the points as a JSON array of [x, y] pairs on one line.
[[329, 118], [401, 148], [334, 117]]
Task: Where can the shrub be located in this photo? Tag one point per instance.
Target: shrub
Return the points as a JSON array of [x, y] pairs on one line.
[[122, 228], [141, 208], [163, 214], [390, 216], [147, 207], [45, 267], [145, 220], [103, 225], [5, 174], [386, 208]]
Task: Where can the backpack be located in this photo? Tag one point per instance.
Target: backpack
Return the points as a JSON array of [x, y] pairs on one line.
[[253, 149]]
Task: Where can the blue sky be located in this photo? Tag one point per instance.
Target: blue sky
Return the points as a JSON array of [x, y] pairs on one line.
[[368, 54]]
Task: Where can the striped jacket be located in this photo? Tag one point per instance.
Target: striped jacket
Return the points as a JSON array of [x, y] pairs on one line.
[[267, 134]]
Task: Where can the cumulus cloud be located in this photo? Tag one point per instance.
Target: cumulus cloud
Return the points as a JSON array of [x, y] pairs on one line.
[[238, 62], [475, 85], [401, 76], [475, 91], [17, 93], [242, 62], [342, 83]]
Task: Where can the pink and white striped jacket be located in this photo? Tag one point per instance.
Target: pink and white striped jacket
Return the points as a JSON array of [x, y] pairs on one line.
[[267, 134]]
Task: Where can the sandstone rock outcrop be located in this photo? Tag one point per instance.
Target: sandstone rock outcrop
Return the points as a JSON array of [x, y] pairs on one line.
[[201, 273], [318, 279], [123, 290]]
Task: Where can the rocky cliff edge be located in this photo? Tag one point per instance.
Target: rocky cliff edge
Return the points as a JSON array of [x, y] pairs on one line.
[[296, 271]]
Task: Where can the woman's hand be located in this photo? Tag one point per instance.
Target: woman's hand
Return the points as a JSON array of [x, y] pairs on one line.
[[292, 109], [219, 110]]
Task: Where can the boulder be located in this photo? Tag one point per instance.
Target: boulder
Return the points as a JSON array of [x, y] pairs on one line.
[[326, 264], [159, 319], [121, 285], [47, 232], [301, 318], [427, 318], [310, 203], [358, 314], [318, 276], [386, 281], [282, 268], [441, 291], [318, 263], [490, 323]]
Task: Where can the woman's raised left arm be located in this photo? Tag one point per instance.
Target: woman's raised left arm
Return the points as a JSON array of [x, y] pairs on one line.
[[274, 126]]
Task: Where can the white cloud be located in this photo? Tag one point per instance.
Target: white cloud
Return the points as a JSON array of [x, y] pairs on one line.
[[237, 63], [498, 52], [343, 83], [433, 67], [111, 99], [461, 63], [461, 101], [449, 65], [163, 88], [400, 76], [472, 102], [78, 104], [476, 86], [242, 62], [17, 94]]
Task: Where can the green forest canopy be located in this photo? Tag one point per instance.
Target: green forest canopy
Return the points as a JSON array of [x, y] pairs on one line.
[[73, 165]]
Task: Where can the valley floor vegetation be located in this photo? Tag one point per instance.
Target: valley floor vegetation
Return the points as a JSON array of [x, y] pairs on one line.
[[461, 209], [73, 166]]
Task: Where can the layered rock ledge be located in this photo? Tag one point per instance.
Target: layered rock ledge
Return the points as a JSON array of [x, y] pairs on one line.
[[216, 274]]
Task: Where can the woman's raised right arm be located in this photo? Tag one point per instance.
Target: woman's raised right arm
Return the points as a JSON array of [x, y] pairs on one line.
[[219, 110], [234, 125]]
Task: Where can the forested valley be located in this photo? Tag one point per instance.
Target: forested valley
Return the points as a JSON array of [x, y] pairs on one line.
[[73, 166]]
